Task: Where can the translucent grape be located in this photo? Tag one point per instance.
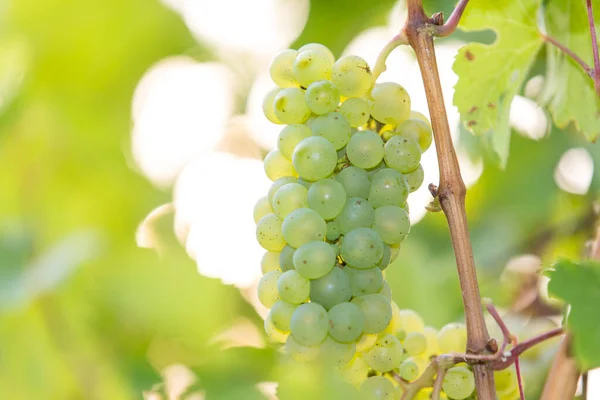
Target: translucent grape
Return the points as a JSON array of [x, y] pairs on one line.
[[357, 213], [270, 262], [355, 371], [415, 343], [409, 370], [364, 281], [288, 198], [309, 324], [402, 153], [277, 166], [452, 338], [411, 321], [314, 259], [377, 312], [286, 256], [312, 65], [293, 287], [318, 47], [388, 188], [366, 342], [335, 353], [390, 103], [269, 233], [459, 382], [432, 342], [322, 97], [386, 258], [300, 352], [356, 111], [267, 289], [290, 106], [417, 130], [355, 181], [352, 76], [417, 115], [386, 291], [290, 136], [302, 226], [391, 223], [333, 231], [395, 250], [425, 394], [362, 248], [394, 326], [346, 322], [262, 208], [327, 197], [385, 355], [268, 105], [365, 149], [280, 68], [281, 315], [276, 185], [415, 178], [334, 127], [333, 288], [506, 380], [377, 388], [273, 333], [314, 158]]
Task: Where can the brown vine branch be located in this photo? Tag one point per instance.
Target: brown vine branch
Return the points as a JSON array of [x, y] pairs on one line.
[[561, 382], [509, 357], [437, 385], [596, 74], [450, 26]]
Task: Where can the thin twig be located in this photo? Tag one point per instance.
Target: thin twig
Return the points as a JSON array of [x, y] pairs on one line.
[[450, 26], [380, 66], [561, 382], [437, 385], [509, 357], [588, 70], [519, 379], [596, 76]]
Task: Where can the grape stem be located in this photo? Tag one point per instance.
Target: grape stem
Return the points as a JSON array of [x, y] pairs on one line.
[[437, 385], [519, 379], [596, 74], [380, 66], [450, 26]]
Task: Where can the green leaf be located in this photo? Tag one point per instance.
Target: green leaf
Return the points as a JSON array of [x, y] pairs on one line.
[[578, 284], [569, 92], [489, 76]]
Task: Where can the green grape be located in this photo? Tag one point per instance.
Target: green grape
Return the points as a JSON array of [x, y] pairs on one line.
[[300, 352], [302, 226], [402, 153], [281, 315], [362, 248], [417, 115], [318, 47], [262, 208], [327, 197], [305, 183], [409, 370], [355, 371], [415, 343], [334, 127], [459, 382], [390, 103], [410, 321], [290, 136], [346, 322], [335, 353], [386, 355], [273, 333], [322, 97], [270, 262], [364, 281], [377, 312], [288, 198], [432, 342], [395, 250], [333, 288], [386, 291], [452, 338], [309, 324], [356, 111], [290, 106], [293, 287], [425, 394], [269, 233], [365, 149], [366, 343], [377, 388], [314, 158], [276, 185], [415, 178], [277, 166], [333, 231], [394, 325], [506, 381], [314, 259], [312, 65], [386, 258], [417, 130], [357, 213], [280, 68], [388, 188], [268, 105], [286, 258], [352, 76], [391, 223], [267, 288], [355, 181]]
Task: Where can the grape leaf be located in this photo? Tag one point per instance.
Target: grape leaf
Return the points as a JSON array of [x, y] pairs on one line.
[[569, 92], [489, 76], [578, 284]]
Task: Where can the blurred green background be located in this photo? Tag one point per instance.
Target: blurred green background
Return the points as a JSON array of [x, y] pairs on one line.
[[87, 314]]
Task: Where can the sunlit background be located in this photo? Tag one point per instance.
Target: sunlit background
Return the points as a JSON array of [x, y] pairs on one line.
[[131, 138]]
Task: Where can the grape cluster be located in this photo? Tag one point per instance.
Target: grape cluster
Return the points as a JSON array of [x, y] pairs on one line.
[[334, 219]]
